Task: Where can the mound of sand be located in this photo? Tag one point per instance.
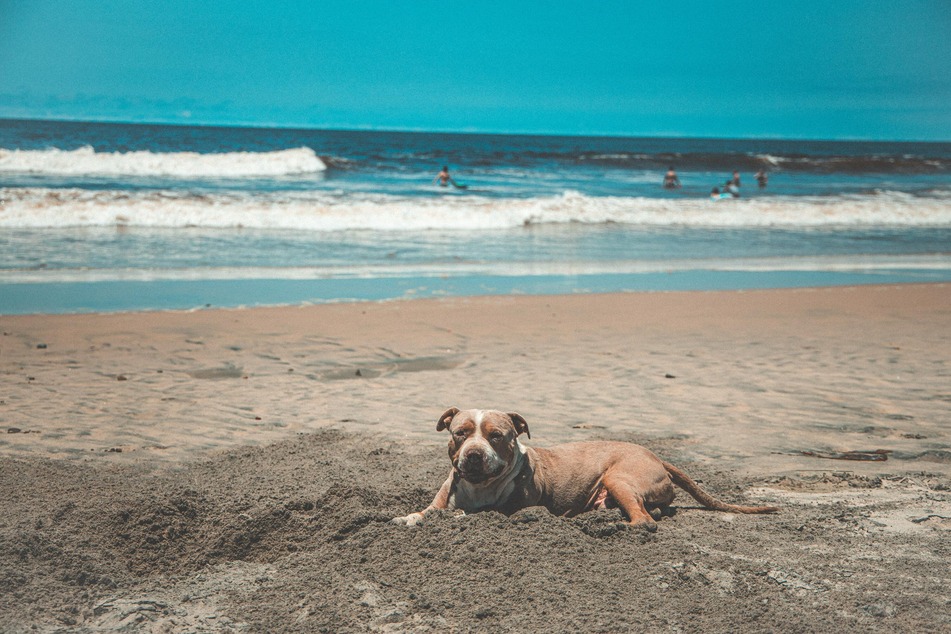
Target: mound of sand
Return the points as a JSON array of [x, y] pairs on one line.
[[294, 537]]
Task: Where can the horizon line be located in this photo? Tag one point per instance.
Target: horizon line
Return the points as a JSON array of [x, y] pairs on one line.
[[461, 132]]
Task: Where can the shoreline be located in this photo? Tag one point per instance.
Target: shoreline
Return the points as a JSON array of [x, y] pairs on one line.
[[121, 296]]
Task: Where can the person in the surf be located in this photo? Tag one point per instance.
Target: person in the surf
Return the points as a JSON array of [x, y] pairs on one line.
[[716, 194], [444, 179], [670, 179], [732, 186], [762, 178]]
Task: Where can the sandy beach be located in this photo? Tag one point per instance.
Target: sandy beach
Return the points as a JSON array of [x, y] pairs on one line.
[[233, 470]]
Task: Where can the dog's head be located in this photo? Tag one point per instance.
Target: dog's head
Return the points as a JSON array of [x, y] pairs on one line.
[[482, 442]]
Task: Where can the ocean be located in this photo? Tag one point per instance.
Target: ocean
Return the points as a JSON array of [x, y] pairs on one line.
[[114, 217]]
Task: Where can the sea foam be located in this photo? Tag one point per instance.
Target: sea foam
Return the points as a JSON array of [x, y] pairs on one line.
[[492, 268], [85, 161], [325, 211]]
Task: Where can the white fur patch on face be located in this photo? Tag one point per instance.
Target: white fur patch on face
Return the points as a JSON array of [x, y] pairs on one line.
[[479, 443]]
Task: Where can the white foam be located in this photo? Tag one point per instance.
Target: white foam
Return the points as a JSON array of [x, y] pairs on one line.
[[831, 263], [87, 162], [330, 211]]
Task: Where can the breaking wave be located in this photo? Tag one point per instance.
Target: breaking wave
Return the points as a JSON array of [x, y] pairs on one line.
[[85, 161], [323, 211]]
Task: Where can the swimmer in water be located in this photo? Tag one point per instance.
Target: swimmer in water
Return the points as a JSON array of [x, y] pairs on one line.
[[444, 178], [670, 179], [732, 186]]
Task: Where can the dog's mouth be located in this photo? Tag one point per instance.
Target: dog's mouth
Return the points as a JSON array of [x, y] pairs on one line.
[[477, 476]]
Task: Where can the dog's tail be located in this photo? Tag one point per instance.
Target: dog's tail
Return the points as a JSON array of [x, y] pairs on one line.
[[685, 482]]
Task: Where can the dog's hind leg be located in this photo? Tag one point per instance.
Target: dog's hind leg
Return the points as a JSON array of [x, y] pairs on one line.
[[630, 501]]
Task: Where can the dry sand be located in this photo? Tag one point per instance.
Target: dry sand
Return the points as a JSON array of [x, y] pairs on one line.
[[232, 470]]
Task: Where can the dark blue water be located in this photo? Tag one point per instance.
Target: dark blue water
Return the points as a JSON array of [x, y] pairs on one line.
[[507, 165]]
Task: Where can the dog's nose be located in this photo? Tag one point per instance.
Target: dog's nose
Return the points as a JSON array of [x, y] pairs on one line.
[[472, 460]]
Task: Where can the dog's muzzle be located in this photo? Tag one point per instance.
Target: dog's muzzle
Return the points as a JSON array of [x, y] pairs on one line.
[[474, 467]]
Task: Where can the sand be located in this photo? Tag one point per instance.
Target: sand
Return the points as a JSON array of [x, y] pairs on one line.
[[233, 470]]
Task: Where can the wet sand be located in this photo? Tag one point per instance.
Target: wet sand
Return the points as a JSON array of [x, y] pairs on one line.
[[231, 470]]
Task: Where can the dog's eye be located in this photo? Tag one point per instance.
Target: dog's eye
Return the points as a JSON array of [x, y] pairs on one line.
[[496, 435], [459, 433]]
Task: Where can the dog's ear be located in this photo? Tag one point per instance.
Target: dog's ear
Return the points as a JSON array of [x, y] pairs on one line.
[[446, 418], [521, 427]]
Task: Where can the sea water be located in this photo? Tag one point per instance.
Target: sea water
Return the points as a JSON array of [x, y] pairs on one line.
[[107, 217]]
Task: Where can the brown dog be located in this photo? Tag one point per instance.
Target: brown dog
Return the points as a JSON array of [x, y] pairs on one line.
[[492, 470]]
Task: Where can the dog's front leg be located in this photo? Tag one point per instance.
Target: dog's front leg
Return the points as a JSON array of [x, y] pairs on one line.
[[441, 501]]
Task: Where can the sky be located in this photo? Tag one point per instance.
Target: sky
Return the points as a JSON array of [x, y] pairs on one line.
[[849, 69]]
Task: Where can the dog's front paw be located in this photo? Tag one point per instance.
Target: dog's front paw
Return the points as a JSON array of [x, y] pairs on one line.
[[410, 520]]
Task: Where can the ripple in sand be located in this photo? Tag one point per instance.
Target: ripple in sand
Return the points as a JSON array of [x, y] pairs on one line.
[[227, 371], [932, 455], [373, 369]]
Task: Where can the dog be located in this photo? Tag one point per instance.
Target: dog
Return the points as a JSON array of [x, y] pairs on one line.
[[493, 470]]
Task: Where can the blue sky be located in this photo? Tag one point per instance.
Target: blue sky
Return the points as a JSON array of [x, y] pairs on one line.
[[870, 69]]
